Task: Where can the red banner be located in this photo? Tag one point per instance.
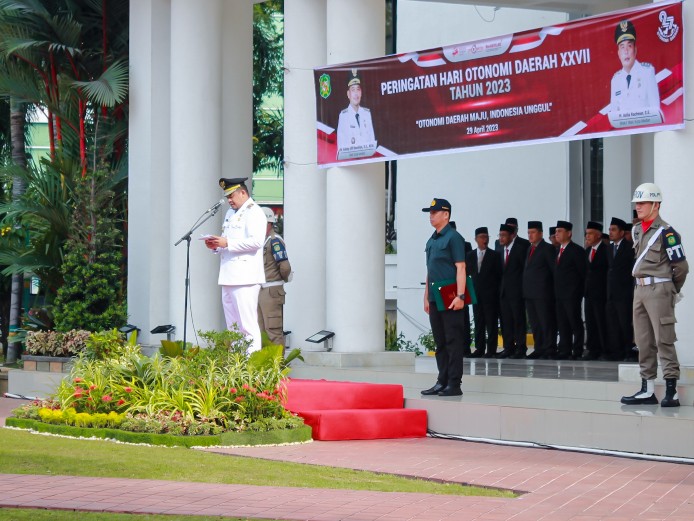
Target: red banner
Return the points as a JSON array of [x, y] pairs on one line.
[[619, 73]]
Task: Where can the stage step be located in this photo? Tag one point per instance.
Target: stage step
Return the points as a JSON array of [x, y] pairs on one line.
[[343, 410], [580, 413]]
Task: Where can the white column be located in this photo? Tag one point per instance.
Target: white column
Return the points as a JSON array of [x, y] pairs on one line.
[[672, 158], [237, 90], [148, 165], [304, 183], [196, 130], [355, 269]]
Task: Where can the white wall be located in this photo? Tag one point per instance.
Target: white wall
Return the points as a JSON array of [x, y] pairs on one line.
[[484, 187]]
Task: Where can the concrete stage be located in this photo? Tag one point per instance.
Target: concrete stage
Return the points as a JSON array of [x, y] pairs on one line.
[[567, 404]]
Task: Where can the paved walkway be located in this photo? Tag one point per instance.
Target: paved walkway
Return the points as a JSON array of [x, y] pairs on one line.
[[556, 486]]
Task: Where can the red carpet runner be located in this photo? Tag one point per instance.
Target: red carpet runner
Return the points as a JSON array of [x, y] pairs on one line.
[[354, 411]]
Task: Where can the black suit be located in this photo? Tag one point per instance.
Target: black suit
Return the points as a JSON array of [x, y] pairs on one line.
[[569, 284], [596, 296], [620, 297], [513, 325], [538, 291], [486, 312]]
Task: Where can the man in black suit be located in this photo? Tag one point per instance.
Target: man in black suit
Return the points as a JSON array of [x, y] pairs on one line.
[[620, 294], [538, 291], [569, 283], [595, 293], [484, 266], [513, 327], [467, 335]]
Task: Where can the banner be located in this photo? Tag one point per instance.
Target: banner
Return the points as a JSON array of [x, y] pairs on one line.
[[618, 73]]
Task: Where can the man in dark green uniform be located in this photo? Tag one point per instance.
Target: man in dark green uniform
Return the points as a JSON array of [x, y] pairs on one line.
[[445, 259]]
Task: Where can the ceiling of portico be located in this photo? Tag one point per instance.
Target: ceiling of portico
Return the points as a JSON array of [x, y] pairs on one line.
[[578, 7]]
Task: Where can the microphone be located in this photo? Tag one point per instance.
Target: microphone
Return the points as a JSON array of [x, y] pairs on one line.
[[217, 205]]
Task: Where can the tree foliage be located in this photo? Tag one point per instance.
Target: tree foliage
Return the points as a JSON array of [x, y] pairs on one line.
[[68, 60], [268, 80]]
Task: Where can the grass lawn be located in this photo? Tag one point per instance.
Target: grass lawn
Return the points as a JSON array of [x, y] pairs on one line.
[[25, 453], [10, 514]]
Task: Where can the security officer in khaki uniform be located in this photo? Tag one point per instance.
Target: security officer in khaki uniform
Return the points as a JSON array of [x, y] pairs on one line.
[[660, 270], [277, 272]]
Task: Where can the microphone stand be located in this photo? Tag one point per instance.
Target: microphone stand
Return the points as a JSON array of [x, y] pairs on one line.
[[207, 215]]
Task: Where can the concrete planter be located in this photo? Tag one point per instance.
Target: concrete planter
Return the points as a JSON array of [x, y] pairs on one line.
[[47, 364]]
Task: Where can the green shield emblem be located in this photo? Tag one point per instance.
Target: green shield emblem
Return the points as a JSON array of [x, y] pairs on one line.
[[325, 88]]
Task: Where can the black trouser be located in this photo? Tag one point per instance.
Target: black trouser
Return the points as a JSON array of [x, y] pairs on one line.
[[570, 326], [620, 329], [596, 327], [543, 324], [486, 313], [447, 328], [513, 326]]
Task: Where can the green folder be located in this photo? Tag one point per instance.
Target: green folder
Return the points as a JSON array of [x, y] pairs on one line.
[[470, 294]]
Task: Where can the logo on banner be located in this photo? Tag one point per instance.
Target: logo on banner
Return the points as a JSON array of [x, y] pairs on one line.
[[325, 88], [668, 28]]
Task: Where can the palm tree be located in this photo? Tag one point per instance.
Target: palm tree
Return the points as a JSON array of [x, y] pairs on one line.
[[67, 59]]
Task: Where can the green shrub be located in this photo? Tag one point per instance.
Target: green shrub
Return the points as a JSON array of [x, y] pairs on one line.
[[92, 295]]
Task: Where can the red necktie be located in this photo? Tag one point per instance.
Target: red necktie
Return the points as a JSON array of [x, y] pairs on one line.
[[592, 254], [532, 250], [506, 259], [561, 250]]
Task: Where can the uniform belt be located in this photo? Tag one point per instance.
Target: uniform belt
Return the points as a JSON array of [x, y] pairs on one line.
[[273, 283], [647, 281]]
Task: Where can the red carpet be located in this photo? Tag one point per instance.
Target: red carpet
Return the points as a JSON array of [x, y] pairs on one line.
[[354, 411]]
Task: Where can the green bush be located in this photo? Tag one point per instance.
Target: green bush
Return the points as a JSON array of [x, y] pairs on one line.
[[92, 295], [203, 391]]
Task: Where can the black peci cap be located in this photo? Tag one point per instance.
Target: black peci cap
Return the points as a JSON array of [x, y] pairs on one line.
[[535, 225], [616, 221], [481, 231], [592, 225], [566, 225]]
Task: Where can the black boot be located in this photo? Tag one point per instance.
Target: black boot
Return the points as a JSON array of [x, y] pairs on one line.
[[646, 396], [671, 399]]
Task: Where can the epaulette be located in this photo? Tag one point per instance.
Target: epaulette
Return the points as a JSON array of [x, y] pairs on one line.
[[365, 109], [646, 64], [344, 111]]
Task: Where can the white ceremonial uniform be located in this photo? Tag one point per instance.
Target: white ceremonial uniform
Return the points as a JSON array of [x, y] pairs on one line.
[[241, 270], [352, 130], [640, 92]]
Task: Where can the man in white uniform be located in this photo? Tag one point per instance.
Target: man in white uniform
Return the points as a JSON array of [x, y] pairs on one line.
[[241, 269], [354, 126], [633, 87]]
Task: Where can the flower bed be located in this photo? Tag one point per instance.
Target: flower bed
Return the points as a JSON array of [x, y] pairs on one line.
[[301, 434], [218, 391]]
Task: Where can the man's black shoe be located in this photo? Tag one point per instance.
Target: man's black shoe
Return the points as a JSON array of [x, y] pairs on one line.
[[589, 356], [535, 355], [477, 353], [489, 355], [451, 391], [433, 390], [519, 355], [506, 353]]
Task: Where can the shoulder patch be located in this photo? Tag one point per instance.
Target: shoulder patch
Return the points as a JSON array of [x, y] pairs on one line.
[[365, 109], [279, 252], [647, 65], [673, 245], [344, 111]]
